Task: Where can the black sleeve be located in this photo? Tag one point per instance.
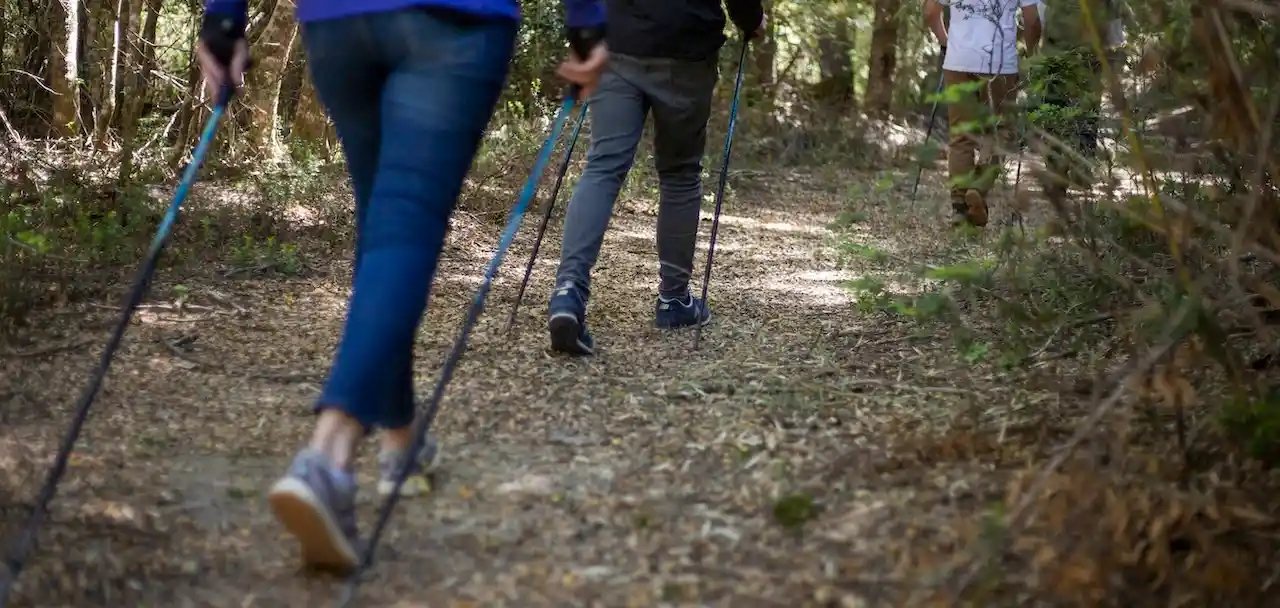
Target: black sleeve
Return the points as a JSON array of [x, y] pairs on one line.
[[746, 14]]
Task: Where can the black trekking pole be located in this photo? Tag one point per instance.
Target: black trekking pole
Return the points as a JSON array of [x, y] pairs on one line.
[[1017, 175], [26, 537], [724, 179], [423, 424], [933, 117], [546, 216]]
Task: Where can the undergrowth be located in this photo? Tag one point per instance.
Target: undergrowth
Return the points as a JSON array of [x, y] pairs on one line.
[[1149, 310]]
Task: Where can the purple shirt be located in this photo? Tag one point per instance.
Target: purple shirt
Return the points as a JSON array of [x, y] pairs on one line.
[[578, 13]]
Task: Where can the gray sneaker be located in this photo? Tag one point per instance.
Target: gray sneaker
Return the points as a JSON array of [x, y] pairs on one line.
[[316, 503], [418, 481]]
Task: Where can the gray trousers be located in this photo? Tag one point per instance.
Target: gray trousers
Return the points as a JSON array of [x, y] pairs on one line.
[[679, 95]]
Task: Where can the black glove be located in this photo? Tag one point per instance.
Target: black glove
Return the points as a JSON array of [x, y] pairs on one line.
[[220, 34], [583, 39]]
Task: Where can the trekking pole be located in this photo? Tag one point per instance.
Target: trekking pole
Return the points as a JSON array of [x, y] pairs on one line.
[[423, 424], [928, 132], [724, 179], [546, 216], [26, 538], [1017, 174]]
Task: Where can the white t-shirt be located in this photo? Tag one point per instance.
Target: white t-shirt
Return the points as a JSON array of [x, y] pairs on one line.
[[983, 36]]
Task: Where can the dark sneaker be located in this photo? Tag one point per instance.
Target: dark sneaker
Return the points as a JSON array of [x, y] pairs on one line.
[[685, 311], [316, 503], [567, 321], [418, 481]]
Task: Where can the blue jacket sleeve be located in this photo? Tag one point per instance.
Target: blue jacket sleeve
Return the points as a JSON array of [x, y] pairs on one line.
[[578, 13], [237, 9]]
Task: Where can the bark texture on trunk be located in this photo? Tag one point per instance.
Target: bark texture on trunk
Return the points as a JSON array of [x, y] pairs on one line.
[[263, 90], [836, 65], [883, 61], [64, 70]]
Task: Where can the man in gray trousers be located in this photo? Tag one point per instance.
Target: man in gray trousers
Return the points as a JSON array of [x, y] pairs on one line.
[[662, 59]]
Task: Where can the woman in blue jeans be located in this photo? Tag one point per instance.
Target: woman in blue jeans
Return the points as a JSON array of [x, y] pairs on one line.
[[410, 86]]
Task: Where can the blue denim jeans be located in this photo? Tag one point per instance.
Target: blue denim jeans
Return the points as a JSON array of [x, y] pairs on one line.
[[410, 93]]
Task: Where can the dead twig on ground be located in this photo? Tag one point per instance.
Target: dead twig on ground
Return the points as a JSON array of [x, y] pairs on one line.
[[177, 348], [45, 351], [904, 386]]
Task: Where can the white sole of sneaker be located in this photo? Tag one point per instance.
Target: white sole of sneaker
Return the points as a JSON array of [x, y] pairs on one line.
[[704, 323], [413, 486], [301, 512]]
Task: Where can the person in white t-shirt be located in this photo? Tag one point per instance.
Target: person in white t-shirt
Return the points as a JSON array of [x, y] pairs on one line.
[[980, 46]]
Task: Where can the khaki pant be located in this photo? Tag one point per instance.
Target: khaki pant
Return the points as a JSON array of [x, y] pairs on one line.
[[980, 126]]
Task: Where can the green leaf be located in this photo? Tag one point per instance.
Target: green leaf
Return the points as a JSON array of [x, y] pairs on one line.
[[794, 510]]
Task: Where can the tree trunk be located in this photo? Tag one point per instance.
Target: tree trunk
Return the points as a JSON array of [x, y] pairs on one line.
[[291, 86], [148, 42], [108, 91], [99, 63], [310, 123], [4, 33], [263, 93], [188, 108], [131, 94], [835, 64], [64, 71], [884, 57], [761, 76]]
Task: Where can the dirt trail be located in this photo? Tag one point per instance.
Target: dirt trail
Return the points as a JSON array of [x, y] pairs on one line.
[[650, 474]]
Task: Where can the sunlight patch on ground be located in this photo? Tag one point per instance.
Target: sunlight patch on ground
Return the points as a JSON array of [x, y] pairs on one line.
[[746, 222], [472, 280], [647, 235], [778, 255], [819, 287]]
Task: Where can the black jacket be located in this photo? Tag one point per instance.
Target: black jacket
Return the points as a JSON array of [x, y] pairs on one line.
[[676, 29]]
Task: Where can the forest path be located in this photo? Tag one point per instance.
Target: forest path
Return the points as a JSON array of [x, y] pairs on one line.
[[758, 470]]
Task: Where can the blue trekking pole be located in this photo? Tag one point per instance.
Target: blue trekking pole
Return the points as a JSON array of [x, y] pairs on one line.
[[423, 424], [26, 538], [546, 216], [724, 179]]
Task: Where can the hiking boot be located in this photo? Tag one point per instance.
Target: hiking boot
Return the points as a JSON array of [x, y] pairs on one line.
[[684, 311], [976, 208], [316, 503], [418, 481], [567, 321]]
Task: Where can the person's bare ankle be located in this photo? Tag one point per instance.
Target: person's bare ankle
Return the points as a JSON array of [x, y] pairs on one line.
[[397, 440], [336, 436]]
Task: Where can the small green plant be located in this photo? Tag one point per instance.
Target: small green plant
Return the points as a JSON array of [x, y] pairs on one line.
[[866, 252], [975, 352], [1254, 424], [849, 217], [251, 255], [871, 294], [794, 511]]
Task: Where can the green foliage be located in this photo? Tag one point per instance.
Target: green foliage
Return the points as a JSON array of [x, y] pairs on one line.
[[267, 255], [1255, 425], [794, 511], [871, 294], [867, 252]]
